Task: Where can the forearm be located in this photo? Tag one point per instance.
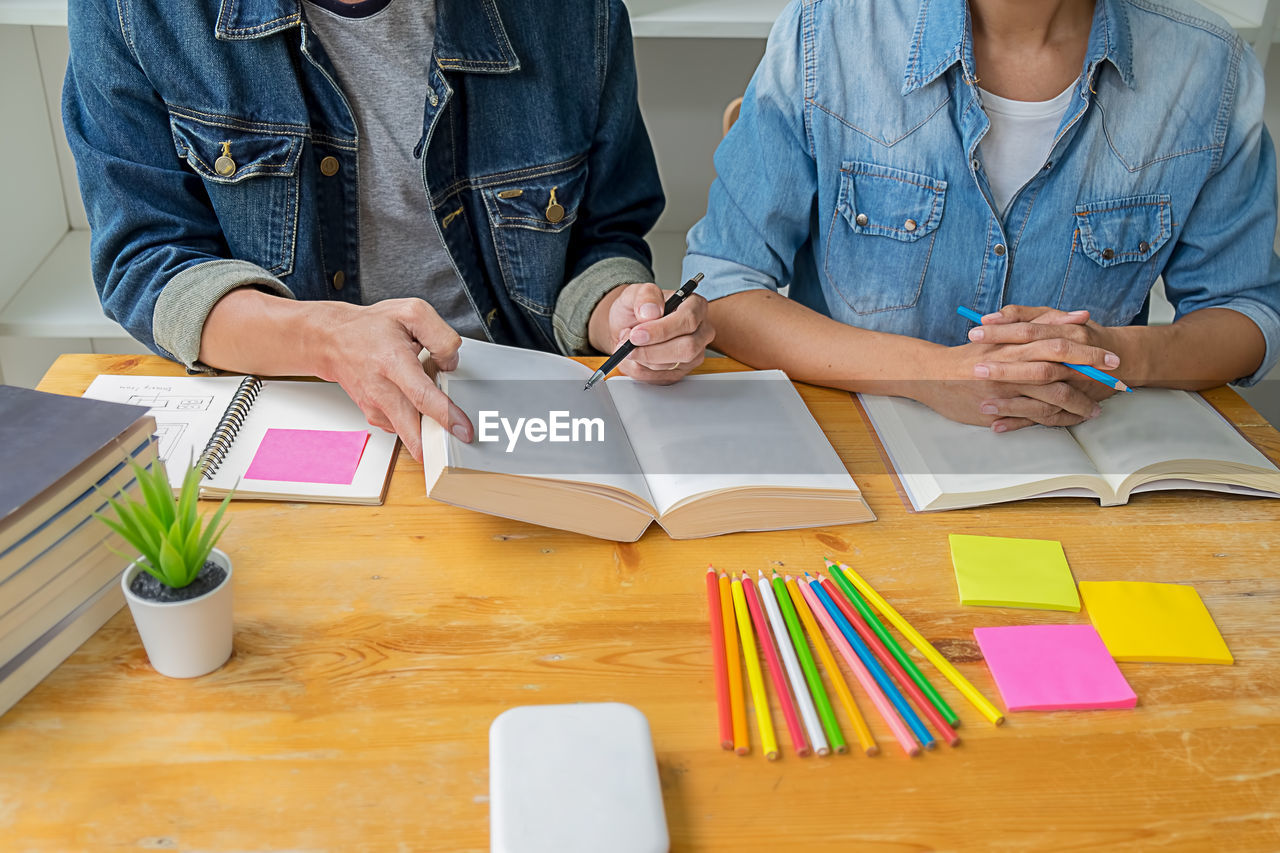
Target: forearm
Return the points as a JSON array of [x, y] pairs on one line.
[[1201, 350], [250, 331], [765, 330]]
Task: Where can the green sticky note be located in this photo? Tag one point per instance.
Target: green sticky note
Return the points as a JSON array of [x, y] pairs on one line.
[[1161, 622], [1001, 572]]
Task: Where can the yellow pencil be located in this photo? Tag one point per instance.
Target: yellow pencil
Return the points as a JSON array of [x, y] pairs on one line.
[[737, 702], [768, 741], [867, 742], [991, 712]]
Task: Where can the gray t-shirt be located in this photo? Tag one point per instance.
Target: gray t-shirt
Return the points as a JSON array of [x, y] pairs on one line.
[[382, 64]]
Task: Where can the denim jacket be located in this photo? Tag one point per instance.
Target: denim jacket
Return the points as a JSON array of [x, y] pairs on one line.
[[853, 175], [215, 149]]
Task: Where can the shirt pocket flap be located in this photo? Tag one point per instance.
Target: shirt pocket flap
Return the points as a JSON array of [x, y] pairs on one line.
[[547, 202], [1123, 230], [890, 202], [228, 155]]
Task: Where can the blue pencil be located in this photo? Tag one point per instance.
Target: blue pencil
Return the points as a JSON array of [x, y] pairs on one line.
[[873, 666], [1092, 372]]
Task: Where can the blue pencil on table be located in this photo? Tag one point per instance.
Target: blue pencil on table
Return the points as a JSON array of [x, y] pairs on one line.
[[1088, 370], [869, 660]]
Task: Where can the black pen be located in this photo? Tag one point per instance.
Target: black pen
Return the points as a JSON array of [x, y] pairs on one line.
[[673, 302]]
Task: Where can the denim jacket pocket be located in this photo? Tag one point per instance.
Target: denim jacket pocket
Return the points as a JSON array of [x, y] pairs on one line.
[[886, 221], [1111, 269], [251, 178], [531, 213]]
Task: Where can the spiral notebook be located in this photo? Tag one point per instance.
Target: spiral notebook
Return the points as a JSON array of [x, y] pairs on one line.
[[235, 428]]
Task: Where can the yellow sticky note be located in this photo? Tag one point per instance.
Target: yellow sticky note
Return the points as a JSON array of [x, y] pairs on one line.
[[1002, 572], [1160, 622]]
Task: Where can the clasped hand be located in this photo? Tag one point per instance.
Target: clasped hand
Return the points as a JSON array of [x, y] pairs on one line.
[[1014, 367]]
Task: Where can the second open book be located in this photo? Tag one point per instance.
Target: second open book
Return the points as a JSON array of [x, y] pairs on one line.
[[714, 453], [1148, 440]]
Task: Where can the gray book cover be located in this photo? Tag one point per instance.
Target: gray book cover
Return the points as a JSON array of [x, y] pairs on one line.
[[44, 437]]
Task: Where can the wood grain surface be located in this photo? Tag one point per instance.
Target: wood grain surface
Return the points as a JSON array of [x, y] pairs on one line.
[[374, 646]]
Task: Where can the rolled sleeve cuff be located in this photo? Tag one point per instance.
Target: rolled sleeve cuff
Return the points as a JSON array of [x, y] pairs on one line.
[[724, 278], [572, 318], [1268, 321], [185, 302]]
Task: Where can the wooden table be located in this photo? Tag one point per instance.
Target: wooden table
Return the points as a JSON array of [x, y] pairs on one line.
[[374, 645]]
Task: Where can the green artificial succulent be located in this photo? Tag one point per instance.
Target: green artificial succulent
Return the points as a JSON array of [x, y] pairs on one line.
[[173, 540]]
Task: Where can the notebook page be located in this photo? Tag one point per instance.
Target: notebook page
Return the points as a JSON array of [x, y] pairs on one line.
[[935, 456], [284, 404], [186, 409], [720, 431], [1154, 425], [511, 384]]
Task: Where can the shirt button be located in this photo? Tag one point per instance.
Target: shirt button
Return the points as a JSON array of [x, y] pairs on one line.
[[861, 219], [433, 98], [1048, 166], [977, 167], [1108, 254], [339, 279], [909, 225], [999, 249], [329, 166], [1144, 246]]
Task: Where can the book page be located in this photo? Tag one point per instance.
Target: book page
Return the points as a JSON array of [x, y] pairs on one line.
[[1155, 425], [935, 456], [719, 431], [186, 409], [533, 418]]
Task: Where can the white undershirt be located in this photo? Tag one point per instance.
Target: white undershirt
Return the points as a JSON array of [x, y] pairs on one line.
[[1020, 138]]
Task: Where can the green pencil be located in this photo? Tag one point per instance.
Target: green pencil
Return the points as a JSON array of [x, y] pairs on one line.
[[837, 572], [828, 717]]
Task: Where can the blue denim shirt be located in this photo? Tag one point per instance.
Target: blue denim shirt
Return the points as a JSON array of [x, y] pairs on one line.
[[516, 106], [852, 175]]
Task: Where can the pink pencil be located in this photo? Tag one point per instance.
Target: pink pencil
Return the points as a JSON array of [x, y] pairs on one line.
[[899, 729], [775, 667]]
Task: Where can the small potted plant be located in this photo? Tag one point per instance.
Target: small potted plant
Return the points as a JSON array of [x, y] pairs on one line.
[[179, 587]]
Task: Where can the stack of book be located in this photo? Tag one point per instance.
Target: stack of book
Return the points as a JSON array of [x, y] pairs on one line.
[[60, 458]]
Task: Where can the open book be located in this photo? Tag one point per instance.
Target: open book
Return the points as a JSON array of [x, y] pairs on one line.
[[320, 447], [712, 454], [1148, 440]]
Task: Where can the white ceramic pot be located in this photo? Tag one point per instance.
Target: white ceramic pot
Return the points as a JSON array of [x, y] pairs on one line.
[[184, 639]]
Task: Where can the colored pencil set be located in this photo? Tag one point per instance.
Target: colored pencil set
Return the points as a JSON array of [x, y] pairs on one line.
[[771, 618]]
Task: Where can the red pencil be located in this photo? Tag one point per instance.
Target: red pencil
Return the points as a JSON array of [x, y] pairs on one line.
[[718, 656], [779, 679], [890, 663]]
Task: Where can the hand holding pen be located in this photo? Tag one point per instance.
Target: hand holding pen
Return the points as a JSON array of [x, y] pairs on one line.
[[667, 341]]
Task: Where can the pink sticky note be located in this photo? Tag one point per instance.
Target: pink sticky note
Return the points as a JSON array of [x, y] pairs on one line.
[[308, 456], [1053, 667]]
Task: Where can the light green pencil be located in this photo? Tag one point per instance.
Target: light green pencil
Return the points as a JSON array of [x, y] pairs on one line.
[[820, 699], [869, 616]]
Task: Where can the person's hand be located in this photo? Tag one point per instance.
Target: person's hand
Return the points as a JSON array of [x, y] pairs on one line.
[[372, 352], [666, 348]]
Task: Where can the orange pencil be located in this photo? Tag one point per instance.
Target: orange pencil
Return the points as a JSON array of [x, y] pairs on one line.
[[737, 699], [865, 738], [718, 658]]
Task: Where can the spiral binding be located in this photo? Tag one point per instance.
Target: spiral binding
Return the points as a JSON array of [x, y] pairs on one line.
[[215, 451]]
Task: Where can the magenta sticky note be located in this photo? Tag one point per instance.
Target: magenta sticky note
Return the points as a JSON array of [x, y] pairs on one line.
[[308, 456], [1053, 667]]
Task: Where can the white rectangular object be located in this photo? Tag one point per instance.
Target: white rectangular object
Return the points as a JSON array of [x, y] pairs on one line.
[[570, 778]]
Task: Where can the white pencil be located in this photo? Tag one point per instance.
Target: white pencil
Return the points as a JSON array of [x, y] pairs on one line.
[[808, 712]]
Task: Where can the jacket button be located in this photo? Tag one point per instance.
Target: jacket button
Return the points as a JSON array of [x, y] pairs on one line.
[[1108, 254], [329, 166], [224, 166], [433, 98], [999, 249], [909, 225], [339, 279], [1144, 246], [861, 219]]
